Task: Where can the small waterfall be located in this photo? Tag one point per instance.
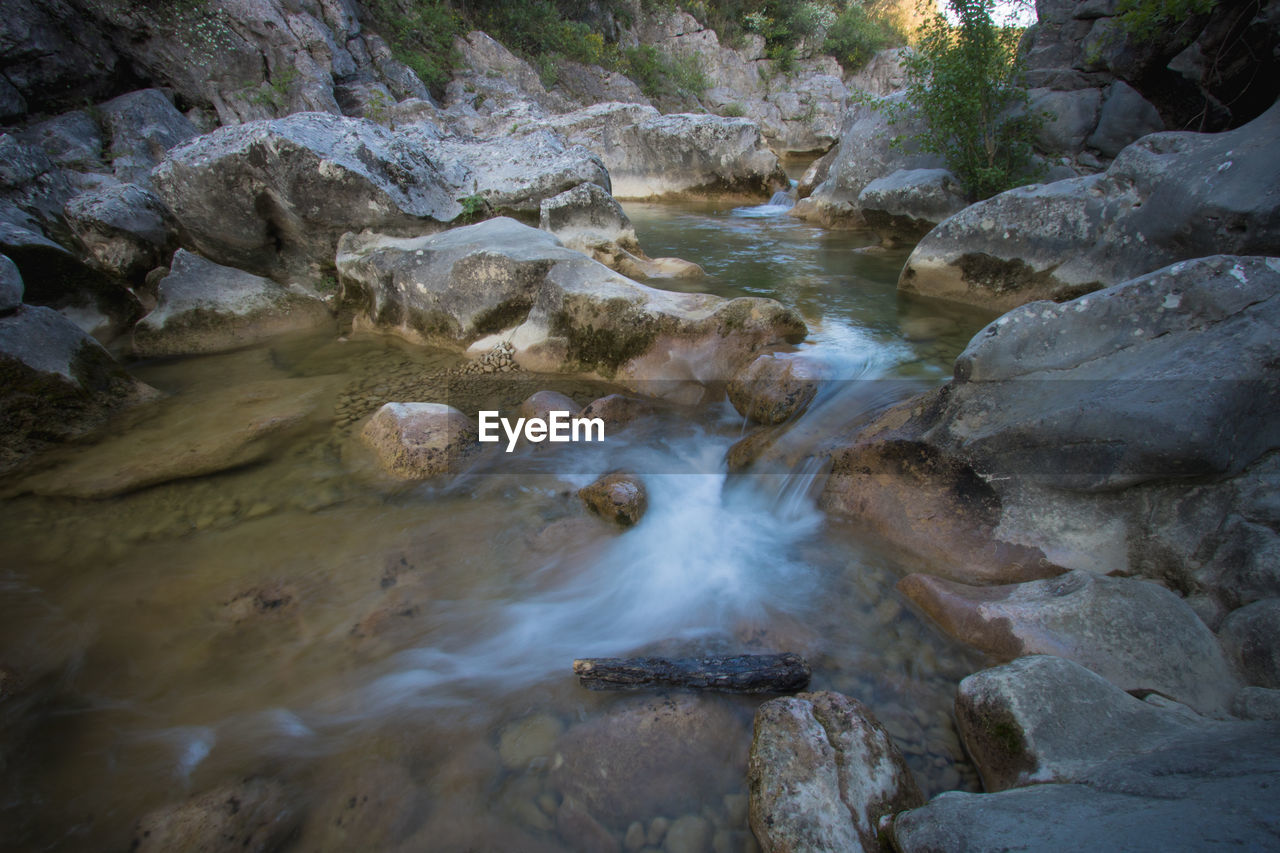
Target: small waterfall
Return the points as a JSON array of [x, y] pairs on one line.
[[783, 198]]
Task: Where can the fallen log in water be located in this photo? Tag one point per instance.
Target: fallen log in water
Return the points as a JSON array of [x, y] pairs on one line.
[[782, 673]]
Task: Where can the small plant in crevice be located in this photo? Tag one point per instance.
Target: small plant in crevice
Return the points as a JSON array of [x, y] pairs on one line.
[[475, 208]]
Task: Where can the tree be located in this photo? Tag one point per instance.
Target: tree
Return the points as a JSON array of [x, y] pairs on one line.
[[965, 79]]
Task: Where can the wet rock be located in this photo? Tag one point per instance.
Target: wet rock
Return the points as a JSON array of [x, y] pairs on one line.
[[1166, 198], [823, 774], [907, 204], [10, 286], [689, 834], [1251, 637], [58, 382], [255, 816], [577, 826], [774, 388], [142, 127], [417, 440], [205, 307], [183, 437], [394, 620], [648, 757], [560, 310], [272, 197], [650, 155], [373, 806], [126, 230], [532, 739], [270, 599], [1134, 633], [541, 403], [616, 410], [1047, 719], [865, 153], [619, 497]]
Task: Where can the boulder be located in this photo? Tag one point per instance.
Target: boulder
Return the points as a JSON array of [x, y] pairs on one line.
[[33, 184], [774, 388], [10, 286], [591, 84], [1108, 773], [907, 204], [255, 816], [883, 74], [618, 496], [205, 307], [1167, 197], [58, 382], [823, 774], [651, 756], [866, 152], [491, 78], [273, 197], [1070, 117], [142, 127], [650, 155], [1257, 703], [1045, 719], [1251, 637], [590, 220], [125, 230], [1134, 633], [560, 310], [1125, 117], [72, 140], [374, 805], [616, 410], [541, 403], [183, 437], [413, 441]]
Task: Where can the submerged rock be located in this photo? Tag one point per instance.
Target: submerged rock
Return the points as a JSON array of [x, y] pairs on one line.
[[558, 309], [255, 816], [417, 440], [823, 774], [205, 307], [542, 403], [1134, 633], [618, 496], [1167, 197]]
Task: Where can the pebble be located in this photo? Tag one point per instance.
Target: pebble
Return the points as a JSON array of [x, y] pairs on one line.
[[548, 803], [634, 839], [689, 834], [530, 738], [657, 831]]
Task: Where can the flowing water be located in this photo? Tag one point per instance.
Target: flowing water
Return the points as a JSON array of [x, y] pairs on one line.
[[391, 663]]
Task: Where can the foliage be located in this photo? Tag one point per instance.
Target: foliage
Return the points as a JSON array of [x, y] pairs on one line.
[[1144, 19], [857, 35], [659, 74], [421, 34], [475, 207], [965, 82], [733, 111]]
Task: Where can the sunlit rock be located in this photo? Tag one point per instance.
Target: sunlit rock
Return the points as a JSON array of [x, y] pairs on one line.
[[417, 440]]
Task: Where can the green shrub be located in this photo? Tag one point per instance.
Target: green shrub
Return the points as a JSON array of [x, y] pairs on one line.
[[659, 74], [421, 34], [965, 82], [1143, 19], [856, 36], [733, 111]]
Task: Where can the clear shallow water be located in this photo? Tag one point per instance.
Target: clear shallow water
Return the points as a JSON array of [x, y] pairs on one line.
[[397, 659]]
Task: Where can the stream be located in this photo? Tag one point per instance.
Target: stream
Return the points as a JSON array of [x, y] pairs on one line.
[[397, 659]]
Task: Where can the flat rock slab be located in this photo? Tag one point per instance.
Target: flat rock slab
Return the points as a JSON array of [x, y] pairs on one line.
[[187, 437], [781, 673]]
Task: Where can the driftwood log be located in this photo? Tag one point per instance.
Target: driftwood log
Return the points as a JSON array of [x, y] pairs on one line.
[[782, 673]]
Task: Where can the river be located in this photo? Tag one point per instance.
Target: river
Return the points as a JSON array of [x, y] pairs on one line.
[[397, 658]]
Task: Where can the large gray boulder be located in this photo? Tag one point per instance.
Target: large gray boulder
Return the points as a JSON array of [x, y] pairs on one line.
[[142, 127], [125, 229], [906, 204], [1066, 440], [822, 775], [273, 197], [650, 155], [204, 307], [1167, 197], [58, 383], [1134, 633], [1103, 770], [558, 309], [72, 140], [10, 286], [866, 152], [1251, 636]]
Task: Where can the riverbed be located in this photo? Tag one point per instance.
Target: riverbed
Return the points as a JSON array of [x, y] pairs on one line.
[[396, 659]]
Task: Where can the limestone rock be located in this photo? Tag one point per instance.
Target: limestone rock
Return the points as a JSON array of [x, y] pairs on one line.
[[10, 286], [822, 774], [142, 127], [375, 805], [58, 382], [72, 140], [1125, 116], [1073, 116], [418, 440], [616, 410], [255, 816], [1251, 636], [649, 155], [125, 229], [774, 388], [1166, 198], [1257, 703], [560, 310], [908, 203], [541, 403], [1134, 633], [618, 496], [204, 307], [272, 197]]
